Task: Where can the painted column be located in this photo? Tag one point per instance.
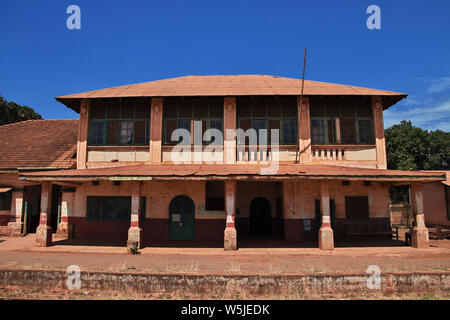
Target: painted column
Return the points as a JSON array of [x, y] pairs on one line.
[[83, 128], [64, 230], [378, 126], [156, 128], [43, 231], [135, 232], [326, 237], [15, 227], [229, 116], [304, 130], [420, 238], [230, 235]]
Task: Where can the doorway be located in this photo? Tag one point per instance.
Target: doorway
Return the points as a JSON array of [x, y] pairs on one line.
[[181, 218], [260, 218], [31, 208]]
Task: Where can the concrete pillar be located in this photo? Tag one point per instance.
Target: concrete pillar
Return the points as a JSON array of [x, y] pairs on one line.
[[135, 232], [83, 126], [64, 230], [156, 127], [15, 227], [43, 231], [229, 116], [378, 125], [304, 131], [230, 235], [420, 237], [326, 237]]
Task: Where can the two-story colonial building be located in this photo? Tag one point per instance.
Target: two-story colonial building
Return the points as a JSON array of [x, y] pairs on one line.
[[324, 178]]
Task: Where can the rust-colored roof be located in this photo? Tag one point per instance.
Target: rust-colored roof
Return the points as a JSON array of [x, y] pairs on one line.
[[38, 144], [244, 171], [232, 85]]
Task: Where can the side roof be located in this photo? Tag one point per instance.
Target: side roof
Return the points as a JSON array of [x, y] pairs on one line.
[[38, 144], [230, 85]]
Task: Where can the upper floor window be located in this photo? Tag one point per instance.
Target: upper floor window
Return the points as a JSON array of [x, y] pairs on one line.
[[119, 121], [349, 121], [180, 113], [269, 113]]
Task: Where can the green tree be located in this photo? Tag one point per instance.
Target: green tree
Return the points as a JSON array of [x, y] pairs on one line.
[[412, 148], [11, 112]]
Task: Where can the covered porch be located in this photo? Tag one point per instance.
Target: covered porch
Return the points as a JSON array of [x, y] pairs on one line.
[[321, 206]]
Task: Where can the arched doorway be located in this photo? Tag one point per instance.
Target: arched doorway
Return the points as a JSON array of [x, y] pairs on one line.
[[181, 218], [260, 217]]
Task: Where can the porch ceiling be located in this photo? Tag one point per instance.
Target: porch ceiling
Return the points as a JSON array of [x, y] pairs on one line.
[[226, 172]]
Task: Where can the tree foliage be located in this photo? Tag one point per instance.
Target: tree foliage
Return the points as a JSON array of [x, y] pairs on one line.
[[412, 148], [11, 112]]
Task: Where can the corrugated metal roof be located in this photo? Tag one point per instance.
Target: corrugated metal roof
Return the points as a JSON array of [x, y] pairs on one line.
[[230, 85]]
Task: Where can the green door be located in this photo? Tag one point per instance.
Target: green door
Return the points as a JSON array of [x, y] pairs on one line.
[[182, 218]]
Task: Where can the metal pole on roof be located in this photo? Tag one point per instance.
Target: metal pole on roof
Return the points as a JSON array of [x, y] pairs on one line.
[[301, 102]]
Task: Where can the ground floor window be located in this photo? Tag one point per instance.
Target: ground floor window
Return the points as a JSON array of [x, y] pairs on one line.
[[357, 207], [108, 208], [215, 195], [5, 201]]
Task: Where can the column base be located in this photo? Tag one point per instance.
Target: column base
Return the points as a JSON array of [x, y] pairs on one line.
[[326, 238], [230, 239], [64, 231], [420, 238], [44, 235], [135, 234], [15, 229]]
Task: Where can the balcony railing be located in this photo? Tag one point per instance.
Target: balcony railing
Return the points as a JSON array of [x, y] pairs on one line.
[[329, 152]]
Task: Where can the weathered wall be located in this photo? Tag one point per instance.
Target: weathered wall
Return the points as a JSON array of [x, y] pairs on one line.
[[5, 216], [434, 204], [209, 224], [230, 285], [299, 205]]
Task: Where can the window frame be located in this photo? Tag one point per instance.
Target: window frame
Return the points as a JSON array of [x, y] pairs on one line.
[[102, 218], [107, 119], [267, 118], [333, 118], [207, 119], [4, 197]]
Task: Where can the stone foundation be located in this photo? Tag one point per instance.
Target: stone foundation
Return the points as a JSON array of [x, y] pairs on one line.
[[15, 229], [64, 231], [420, 238], [43, 235], [135, 234], [326, 238], [230, 239]]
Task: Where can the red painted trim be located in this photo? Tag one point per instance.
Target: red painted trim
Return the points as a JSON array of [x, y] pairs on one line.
[[134, 224]]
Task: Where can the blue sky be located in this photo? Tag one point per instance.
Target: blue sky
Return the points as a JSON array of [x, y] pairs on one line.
[[123, 42]]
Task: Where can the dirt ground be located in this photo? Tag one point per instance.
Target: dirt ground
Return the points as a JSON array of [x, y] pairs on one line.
[[273, 258], [11, 292], [253, 258]]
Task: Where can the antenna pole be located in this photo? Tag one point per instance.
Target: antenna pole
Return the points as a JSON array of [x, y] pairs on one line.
[[301, 103]]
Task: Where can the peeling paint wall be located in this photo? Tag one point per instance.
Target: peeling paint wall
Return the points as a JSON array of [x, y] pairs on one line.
[[300, 196], [434, 204]]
